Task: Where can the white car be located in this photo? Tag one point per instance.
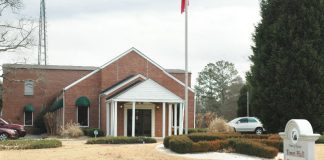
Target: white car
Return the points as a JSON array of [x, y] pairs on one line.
[[247, 124]]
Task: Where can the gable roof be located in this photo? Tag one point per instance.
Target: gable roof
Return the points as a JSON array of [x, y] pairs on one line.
[[120, 56], [122, 83], [147, 91]]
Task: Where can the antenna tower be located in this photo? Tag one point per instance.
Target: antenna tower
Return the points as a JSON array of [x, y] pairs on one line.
[[42, 43]]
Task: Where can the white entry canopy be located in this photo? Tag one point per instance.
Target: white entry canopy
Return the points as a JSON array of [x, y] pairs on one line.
[[147, 91]]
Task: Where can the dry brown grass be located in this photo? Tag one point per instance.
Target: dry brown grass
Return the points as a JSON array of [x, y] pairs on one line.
[[219, 124], [71, 130]]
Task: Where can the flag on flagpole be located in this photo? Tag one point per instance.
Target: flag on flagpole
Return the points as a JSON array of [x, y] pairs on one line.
[[183, 6]]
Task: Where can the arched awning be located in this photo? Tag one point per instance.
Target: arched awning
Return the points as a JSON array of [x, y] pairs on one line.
[[82, 102], [56, 105], [29, 108]]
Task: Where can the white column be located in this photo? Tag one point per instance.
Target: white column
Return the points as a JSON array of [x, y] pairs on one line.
[[115, 119], [133, 120], [170, 116], [112, 118], [107, 119], [163, 119], [175, 128], [181, 119]]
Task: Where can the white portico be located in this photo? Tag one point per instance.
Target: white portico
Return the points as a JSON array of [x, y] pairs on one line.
[[140, 104]]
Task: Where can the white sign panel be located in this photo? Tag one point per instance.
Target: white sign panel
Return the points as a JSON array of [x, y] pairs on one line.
[[299, 140]]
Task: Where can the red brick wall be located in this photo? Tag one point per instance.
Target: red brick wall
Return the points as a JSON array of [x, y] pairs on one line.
[[89, 87], [48, 84], [182, 77]]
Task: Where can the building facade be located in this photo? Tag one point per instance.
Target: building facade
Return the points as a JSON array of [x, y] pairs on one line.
[[130, 95]]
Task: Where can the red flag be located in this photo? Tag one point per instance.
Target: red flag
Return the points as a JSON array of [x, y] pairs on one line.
[[183, 6]]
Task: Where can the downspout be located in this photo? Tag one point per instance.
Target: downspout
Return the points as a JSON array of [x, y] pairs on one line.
[[195, 110], [63, 108], [99, 121]]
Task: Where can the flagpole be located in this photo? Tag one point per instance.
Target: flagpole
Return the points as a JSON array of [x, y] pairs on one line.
[[186, 66]]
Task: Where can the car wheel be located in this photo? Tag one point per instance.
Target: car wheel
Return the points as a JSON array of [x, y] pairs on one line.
[[3, 136], [258, 131]]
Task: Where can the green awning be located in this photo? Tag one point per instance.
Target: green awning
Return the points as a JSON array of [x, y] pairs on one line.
[[29, 108], [82, 102], [56, 105]]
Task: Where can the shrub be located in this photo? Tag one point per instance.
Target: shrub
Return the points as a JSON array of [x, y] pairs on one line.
[[71, 130], [197, 130], [90, 132], [120, 140], [180, 144], [320, 140], [217, 145], [166, 141], [204, 137], [273, 143], [219, 124], [202, 146], [274, 137], [253, 148], [30, 144]]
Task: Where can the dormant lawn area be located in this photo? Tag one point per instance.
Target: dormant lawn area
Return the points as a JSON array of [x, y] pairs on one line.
[[78, 150]]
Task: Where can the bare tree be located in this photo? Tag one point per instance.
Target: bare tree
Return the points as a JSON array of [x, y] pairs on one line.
[[14, 35]]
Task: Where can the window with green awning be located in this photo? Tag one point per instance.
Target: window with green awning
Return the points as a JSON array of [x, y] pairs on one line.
[[82, 101], [29, 108]]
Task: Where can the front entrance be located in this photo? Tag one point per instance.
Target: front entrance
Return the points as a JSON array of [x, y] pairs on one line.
[[143, 122]]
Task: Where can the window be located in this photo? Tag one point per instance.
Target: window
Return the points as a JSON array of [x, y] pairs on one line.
[[83, 116], [243, 120], [29, 88], [252, 120], [28, 118]]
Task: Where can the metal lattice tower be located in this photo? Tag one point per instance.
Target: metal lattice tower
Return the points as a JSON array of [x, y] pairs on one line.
[[42, 43]]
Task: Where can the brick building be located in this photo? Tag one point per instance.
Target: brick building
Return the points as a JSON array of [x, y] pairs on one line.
[[130, 95]]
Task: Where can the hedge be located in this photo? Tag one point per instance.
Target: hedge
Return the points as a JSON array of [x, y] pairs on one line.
[[30, 144], [320, 140], [197, 130], [249, 147], [266, 146], [180, 144], [120, 140], [90, 132]]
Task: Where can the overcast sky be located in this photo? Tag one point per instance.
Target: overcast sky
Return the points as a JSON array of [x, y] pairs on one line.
[[83, 32]]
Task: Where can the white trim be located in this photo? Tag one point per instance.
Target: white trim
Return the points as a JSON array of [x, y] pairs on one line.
[[124, 83], [77, 118], [32, 119], [141, 106], [118, 57], [147, 100]]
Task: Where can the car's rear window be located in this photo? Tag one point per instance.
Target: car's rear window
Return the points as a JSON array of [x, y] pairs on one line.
[[252, 120]]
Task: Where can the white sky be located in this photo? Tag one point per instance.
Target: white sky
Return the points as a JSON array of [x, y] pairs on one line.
[[83, 32]]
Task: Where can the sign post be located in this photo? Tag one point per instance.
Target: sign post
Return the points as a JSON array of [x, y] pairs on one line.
[[299, 140], [95, 132]]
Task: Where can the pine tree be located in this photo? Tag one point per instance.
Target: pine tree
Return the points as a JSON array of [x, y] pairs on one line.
[[287, 75]]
